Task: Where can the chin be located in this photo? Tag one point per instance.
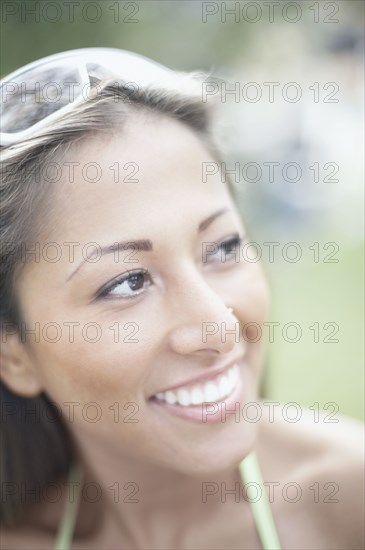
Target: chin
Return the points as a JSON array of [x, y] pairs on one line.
[[211, 437], [216, 457]]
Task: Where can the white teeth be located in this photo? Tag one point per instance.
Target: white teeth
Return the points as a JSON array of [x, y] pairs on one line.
[[233, 374], [196, 396], [211, 391], [183, 398], [170, 397], [224, 386]]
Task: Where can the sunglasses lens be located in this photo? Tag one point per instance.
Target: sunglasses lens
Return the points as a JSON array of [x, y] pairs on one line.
[[35, 94]]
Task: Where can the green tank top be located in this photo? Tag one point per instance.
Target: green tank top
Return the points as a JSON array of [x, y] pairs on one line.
[[250, 473]]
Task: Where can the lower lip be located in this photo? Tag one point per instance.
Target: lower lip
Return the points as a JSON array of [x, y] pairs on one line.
[[206, 413]]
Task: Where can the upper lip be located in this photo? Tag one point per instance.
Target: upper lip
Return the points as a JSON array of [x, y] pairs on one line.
[[203, 377]]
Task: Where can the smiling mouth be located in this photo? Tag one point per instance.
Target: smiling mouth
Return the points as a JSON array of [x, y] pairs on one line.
[[215, 389]]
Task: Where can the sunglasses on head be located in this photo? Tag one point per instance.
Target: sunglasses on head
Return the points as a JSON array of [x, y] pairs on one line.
[[46, 89]]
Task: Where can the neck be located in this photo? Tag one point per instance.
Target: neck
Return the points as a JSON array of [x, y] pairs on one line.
[[142, 502]]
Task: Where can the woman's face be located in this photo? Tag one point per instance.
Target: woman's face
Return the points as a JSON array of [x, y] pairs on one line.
[[107, 347]]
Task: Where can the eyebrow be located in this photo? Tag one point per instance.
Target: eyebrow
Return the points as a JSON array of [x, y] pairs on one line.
[[143, 244]]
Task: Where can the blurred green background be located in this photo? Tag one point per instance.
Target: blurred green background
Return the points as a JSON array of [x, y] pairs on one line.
[[317, 42]]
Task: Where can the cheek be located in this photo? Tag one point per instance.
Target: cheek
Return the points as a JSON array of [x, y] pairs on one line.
[[252, 308], [99, 388], [252, 297], [102, 362]]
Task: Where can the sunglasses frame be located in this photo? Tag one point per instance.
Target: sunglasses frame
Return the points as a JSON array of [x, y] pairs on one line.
[[137, 69]]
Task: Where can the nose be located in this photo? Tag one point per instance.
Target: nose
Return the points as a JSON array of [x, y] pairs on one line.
[[204, 323]]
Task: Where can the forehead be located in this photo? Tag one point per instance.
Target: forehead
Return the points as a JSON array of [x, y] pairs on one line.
[[126, 180]]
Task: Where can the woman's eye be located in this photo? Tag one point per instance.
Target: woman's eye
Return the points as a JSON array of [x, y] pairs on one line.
[[127, 286], [229, 249]]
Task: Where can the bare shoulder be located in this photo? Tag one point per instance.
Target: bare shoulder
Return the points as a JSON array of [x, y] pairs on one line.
[[318, 460], [310, 432], [24, 539], [27, 538]]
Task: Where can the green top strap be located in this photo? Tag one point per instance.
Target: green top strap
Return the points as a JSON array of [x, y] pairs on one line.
[[250, 473], [67, 525]]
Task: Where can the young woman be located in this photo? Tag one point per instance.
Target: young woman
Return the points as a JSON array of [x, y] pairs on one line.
[[130, 365]]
